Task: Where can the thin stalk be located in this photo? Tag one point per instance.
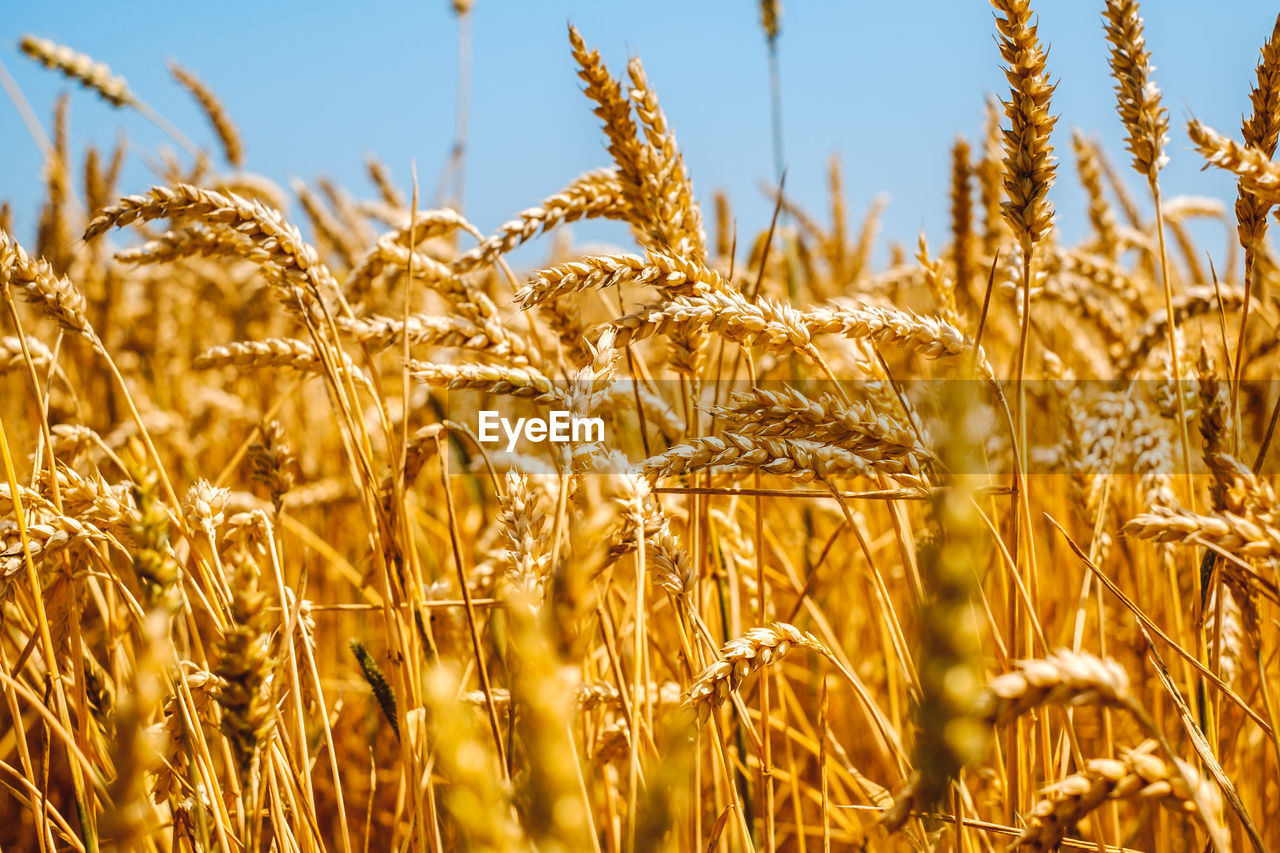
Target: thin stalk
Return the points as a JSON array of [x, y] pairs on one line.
[[474, 630], [1024, 550], [775, 111], [1241, 341], [46, 639], [36, 130], [638, 683], [1176, 366], [1023, 330], [766, 750], [823, 711], [462, 117], [1268, 702], [168, 128]]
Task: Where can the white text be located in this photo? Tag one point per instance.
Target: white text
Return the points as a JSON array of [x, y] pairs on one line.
[[560, 428]]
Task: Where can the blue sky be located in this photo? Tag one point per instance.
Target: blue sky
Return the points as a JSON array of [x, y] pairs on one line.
[[315, 86]]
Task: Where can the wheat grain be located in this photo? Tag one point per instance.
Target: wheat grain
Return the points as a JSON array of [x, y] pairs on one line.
[[929, 336], [47, 536], [770, 13], [244, 667], [1101, 215], [381, 177], [990, 176], [673, 215], [12, 357], [273, 461], [961, 211], [1194, 302], [330, 233]]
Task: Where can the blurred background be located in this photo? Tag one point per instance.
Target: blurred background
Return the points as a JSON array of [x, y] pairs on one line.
[[316, 86]]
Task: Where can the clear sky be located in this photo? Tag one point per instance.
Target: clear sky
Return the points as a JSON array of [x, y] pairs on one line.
[[315, 86]]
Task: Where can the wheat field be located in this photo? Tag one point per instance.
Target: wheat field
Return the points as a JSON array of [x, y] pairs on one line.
[[972, 550]]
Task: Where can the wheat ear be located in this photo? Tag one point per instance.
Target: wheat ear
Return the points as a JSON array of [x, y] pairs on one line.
[[1245, 537], [1257, 173], [1262, 131], [228, 135], [802, 459], [95, 76], [1028, 157], [595, 194], [36, 282], [674, 275], [281, 241], [525, 382], [1062, 678], [1145, 121], [1138, 774], [741, 657]]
